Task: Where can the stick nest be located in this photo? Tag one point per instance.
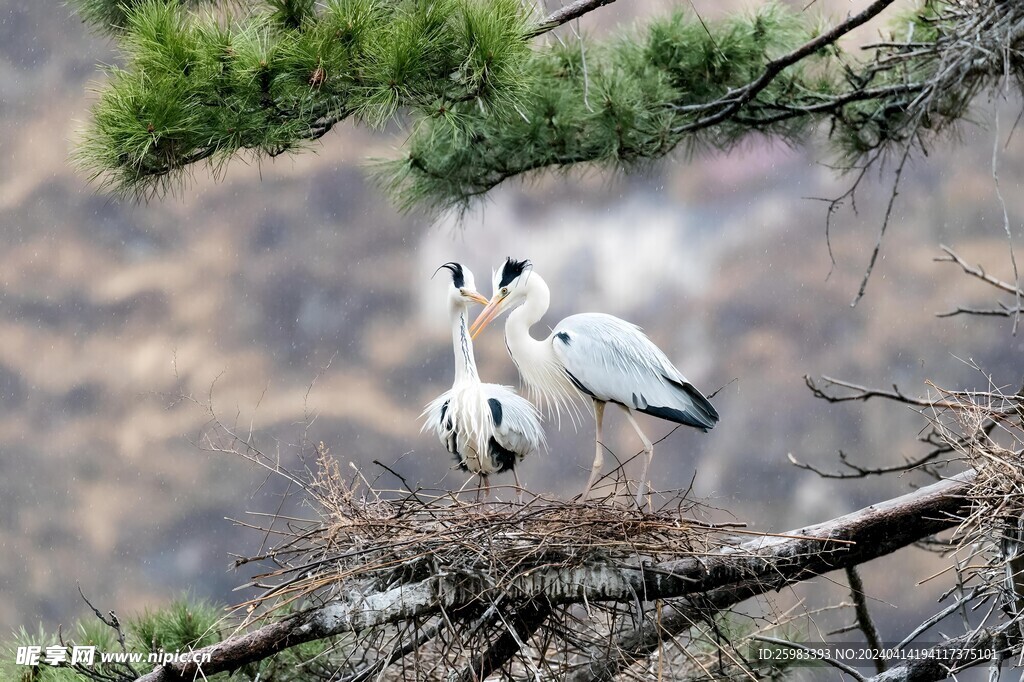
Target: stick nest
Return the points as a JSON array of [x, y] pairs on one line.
[[987, 429], [370, 540]]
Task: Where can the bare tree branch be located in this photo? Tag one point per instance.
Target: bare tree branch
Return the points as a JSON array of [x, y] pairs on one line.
[[863, 393], [864, 622], [565, 14], [520, 626], [976, 271], [885, 225], [859, 471], [1002, 311]]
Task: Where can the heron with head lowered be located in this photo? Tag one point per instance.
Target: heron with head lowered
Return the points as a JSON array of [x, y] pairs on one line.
[[590, 354], [488, 428]]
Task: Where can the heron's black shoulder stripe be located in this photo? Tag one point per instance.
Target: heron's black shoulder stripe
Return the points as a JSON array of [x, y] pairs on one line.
[[495, 410], [512, 269], [563, 337]]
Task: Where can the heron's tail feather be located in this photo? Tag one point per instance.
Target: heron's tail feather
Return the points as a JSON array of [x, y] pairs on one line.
[[690, 407]]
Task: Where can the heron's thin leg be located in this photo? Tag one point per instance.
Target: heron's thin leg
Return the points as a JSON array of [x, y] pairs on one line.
[[595, 470], [468, 480], [519, 486], [649, 451]]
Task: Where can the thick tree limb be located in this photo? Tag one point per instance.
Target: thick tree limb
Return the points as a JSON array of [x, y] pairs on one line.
[[879, 530]]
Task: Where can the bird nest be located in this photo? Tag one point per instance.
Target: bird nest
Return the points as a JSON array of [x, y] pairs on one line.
[[367, 539], [986, 429]]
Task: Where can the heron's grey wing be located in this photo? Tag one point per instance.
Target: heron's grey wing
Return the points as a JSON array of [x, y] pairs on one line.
[[613, 360], [515, 419]]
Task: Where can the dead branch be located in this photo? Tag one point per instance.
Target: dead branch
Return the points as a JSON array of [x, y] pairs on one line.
[[564, 15], [113, 623], [863, 393], [520, 626], [864, 622], [1002, 311], [885, 225], [976, 271], [859, 471]]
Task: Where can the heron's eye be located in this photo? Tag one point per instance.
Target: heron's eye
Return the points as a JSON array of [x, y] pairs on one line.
[[504, 291]]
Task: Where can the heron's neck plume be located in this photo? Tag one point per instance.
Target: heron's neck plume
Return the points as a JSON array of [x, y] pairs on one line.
[[465, 363]]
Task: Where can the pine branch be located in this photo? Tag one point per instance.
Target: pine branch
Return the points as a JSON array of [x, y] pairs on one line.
[[681, 83], [489, 107], [732, 103], [198, 88]]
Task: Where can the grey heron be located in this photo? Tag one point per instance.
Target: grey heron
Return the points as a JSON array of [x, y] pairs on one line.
[[595, 354], [488, 428]]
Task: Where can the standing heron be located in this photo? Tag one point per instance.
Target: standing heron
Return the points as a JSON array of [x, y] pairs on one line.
[[599, 355], [488, 428]]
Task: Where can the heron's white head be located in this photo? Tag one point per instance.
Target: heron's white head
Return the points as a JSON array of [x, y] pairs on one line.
[[510, 286], [463, 289]]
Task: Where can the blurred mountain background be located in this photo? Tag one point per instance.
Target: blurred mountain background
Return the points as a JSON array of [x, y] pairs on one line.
[[295, 298]]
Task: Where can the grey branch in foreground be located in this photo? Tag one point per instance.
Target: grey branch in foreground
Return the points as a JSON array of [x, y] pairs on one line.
[[712, 582]]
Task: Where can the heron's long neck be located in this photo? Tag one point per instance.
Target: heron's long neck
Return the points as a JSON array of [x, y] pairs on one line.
[[465, 363], [542, 373], [532, 356], [517, 327]]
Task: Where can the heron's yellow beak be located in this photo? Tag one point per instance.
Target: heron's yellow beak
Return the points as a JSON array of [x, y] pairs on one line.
[[477, 297], [487, 315]]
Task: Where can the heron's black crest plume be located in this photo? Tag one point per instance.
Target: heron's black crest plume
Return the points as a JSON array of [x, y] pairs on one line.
[[513, 268], [458, 278]]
